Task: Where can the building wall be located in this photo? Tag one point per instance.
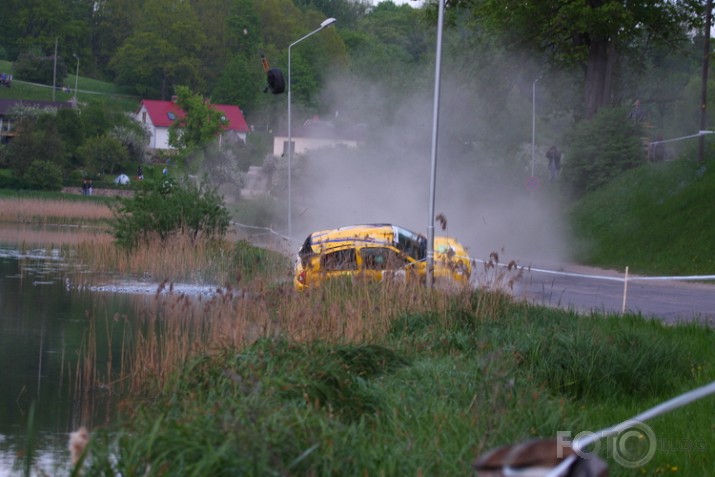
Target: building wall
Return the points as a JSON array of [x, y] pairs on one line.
[[302, 144]]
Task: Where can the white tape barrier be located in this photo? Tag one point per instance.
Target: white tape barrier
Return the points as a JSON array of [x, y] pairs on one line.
[[615, 279], [625, 279], [269, 231]]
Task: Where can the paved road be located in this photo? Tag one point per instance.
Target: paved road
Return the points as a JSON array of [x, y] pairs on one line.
[[585, 290]]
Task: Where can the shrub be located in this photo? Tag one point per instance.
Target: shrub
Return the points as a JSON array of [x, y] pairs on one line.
[[600, 149], [168, 208], [104, 154], [43, 175], [38, 69]]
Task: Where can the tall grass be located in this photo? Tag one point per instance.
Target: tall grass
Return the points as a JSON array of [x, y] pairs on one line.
[[361, 379], [180, 258], [52, 211], [651, 219]]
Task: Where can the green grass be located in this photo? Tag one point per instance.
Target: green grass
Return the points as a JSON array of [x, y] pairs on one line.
[[88, 90], [427, 398], [655, 219]]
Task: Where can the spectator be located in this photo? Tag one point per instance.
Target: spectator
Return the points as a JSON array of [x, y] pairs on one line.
[[554, 156]]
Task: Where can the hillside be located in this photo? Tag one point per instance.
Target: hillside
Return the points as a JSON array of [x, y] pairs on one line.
[[88, 89], [656, 219]]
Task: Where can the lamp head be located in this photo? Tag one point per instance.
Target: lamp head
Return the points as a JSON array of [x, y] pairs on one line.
[[328, 22]]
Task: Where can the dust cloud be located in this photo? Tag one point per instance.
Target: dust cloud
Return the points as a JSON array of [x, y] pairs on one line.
[[480, 186]]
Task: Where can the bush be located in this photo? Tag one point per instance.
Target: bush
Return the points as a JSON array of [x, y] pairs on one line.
[[43, 175], [104, 154], [600, 149], [38, 69], [168, 208]]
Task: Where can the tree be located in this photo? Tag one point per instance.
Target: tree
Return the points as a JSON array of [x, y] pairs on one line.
[[112, 23], [69, 126], [166, 49], [38, 138], [200, 124], [39, 69], [593, 34], [43, 175], [168, 208], [104, 154], [601, 148]]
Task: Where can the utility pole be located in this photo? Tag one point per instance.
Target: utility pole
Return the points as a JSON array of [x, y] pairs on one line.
[[704, 82], [54, 72]]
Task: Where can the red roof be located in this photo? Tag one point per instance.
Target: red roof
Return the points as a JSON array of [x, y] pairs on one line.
[[164, 113]]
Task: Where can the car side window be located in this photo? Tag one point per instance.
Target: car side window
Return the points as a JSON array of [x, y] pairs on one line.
[[339, 260], [375, 258]]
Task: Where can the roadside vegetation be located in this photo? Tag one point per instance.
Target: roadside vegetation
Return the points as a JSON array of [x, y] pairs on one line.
[[371, 380], [653, 219]]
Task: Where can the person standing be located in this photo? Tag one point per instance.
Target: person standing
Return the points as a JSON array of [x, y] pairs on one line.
[[554, 157]]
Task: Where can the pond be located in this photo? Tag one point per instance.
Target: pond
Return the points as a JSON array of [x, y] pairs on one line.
[[45, 321]]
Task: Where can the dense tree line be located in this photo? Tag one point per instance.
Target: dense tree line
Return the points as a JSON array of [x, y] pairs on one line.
[[585, 56]]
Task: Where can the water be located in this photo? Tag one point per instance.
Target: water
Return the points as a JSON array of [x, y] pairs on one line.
[[44, 323]]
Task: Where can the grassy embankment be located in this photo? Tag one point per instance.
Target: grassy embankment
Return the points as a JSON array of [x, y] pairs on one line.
[[655, 219], [378, 380], [88, 89]]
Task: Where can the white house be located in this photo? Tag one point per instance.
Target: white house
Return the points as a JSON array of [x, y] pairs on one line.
[[157, 116], [315, 134]]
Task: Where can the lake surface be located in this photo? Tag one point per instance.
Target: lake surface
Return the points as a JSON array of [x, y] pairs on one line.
[[45, 321]]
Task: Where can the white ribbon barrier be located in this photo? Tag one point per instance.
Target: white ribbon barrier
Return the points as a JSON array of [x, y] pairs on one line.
[[625, 278]]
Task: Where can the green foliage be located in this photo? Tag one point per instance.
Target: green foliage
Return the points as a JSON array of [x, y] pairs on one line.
[[69, 126], [428, 399], [164, 50], [104, 154], [600, 149], [39, 69], [133, 138], [649, 219], [168, 208], [622, 362], [591, 35], [39, 139], [236, 75], [43, 175], [254, 262], [200, 125]]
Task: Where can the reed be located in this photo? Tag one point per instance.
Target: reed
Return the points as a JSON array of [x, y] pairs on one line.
[[176, 328], [176, 259], [364, 379], [53, 211]]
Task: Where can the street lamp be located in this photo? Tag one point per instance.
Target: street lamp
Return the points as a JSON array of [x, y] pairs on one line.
[[533, 124], [433, 169], [325, 24], [76, 76]]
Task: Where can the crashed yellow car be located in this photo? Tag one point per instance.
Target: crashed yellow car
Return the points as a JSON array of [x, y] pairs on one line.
[[451, 260], [376, 252]]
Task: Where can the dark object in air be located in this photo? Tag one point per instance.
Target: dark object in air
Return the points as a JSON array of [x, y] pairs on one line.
[[276, 83], [274, 78]]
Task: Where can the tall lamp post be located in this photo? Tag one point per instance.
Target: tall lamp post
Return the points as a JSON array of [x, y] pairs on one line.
[[433, 167], [325, 24], [76, 76], [533, 124]]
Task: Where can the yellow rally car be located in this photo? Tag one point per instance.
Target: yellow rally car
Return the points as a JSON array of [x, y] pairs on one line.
[[376, 252]]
